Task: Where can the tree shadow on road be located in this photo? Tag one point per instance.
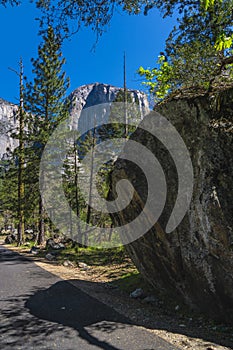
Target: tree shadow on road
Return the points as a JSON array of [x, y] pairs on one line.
[[64, 304], [154, 317], [17, 326], [8, 256], [63, 311]]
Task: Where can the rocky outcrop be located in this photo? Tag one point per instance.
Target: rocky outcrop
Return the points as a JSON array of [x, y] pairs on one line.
[[98, 93], [194, 263], [8, 124], [93, 94], [83, 97]]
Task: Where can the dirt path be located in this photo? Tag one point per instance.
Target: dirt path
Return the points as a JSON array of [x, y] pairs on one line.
[[181, 331]]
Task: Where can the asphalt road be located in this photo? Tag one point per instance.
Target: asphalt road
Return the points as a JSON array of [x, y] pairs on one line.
[[40, 311]]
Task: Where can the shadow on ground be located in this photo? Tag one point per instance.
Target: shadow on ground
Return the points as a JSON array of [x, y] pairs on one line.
[[61, 316], [63, 311], [68, 306], [221, 335]]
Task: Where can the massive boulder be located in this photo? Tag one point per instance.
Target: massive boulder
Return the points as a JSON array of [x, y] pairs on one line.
[[194, 263]]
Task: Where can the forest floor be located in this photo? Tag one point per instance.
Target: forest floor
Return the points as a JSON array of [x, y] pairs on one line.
[[110, 276]]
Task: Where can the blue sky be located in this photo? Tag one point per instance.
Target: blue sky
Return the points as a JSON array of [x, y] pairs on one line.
[[141, 37]]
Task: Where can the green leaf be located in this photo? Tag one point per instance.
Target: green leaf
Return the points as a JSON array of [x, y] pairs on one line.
[[223, 42]]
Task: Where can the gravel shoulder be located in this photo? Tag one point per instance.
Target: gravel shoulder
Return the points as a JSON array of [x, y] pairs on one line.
[[181, 330]]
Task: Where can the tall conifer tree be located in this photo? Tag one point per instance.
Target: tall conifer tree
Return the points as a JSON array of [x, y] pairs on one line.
[[46, 103]]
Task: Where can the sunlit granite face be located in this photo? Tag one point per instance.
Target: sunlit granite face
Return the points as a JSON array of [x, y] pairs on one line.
[[82, 97], [8, 124], [98, 93]]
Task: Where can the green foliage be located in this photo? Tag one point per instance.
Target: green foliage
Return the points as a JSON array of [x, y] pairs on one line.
[[223, 42], [46, 105], [8, 188], [158, 79], [95, 256], [98, 14], [207, 4], [130, 281], [10, 2], [198, 52], [44, 98], [92, 13]]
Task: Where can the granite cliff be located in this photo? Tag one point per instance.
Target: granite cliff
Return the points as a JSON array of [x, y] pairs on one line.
[[8, 123], [83, 97], [98, 93]]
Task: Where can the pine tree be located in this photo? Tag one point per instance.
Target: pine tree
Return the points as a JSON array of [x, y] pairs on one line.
[[46, 103], [8, 187]]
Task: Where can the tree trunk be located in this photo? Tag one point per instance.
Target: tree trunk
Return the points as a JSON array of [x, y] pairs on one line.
[[89, 207], [21, 224], [80, 233], [41, 236]]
